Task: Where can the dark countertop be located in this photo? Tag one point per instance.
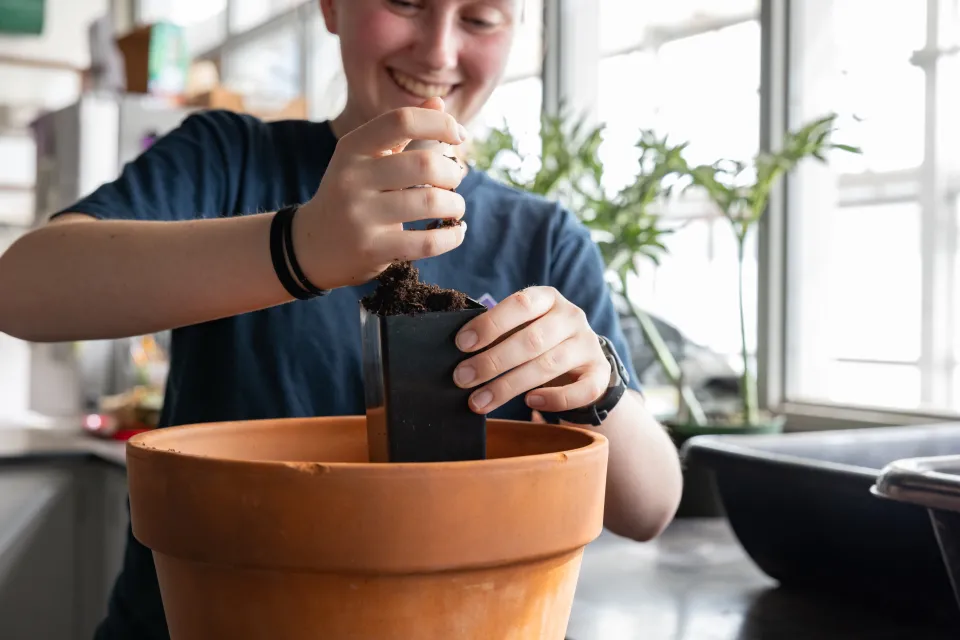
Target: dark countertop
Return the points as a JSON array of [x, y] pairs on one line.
[[696, 583], [693, 583]]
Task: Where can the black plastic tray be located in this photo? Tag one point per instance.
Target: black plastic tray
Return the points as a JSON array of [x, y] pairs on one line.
[[802, 507], [932, 483]]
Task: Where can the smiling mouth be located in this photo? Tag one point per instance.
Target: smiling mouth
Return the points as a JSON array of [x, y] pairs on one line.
[[417, 88]]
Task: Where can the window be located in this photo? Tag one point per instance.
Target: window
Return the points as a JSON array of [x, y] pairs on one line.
[[627, 24], [326, 83], [873, 278], [691, 70], [204, 21], [267, 67], [518, 101], [246, 14]]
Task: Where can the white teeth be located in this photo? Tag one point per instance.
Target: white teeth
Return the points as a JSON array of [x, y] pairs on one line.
[[418, 88]]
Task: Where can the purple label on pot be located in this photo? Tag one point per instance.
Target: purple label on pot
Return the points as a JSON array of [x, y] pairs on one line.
[[487, 300]]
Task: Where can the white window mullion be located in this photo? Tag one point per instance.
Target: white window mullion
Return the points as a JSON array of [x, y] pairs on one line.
[[938, 237], [571, 33]]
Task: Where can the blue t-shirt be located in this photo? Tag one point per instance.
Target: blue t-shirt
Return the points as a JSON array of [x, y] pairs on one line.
[[304, 358]]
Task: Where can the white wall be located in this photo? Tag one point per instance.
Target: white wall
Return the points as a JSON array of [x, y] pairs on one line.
[[64, 37]]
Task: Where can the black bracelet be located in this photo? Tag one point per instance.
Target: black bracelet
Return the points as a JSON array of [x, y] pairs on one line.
[[292, 256], [281, 250]]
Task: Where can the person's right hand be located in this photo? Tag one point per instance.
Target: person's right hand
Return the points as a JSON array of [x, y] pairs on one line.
[[352, 229]]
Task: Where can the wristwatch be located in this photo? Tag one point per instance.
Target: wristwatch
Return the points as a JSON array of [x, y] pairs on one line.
[[594, 414]]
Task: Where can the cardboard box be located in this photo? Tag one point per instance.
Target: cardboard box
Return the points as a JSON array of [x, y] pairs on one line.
[[156, 59]]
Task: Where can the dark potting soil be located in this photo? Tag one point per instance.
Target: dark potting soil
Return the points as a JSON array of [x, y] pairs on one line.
[[444, 222], [401, 292]]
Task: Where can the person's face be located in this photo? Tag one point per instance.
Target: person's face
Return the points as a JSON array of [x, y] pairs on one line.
[[400, 52]]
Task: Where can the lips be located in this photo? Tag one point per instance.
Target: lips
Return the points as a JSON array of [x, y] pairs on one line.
[[419, 88]]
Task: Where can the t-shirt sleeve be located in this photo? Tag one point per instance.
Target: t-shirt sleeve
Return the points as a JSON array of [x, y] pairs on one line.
[[184, 175], [577, 272]]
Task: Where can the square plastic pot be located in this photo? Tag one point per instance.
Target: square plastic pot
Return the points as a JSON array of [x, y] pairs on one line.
[[415, 411]]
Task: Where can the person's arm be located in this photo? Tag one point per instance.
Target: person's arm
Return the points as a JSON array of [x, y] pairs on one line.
[[146, 268], [78, 278], [644, 479]]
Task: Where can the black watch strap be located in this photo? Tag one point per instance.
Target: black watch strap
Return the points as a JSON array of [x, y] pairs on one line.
[[594, 414]]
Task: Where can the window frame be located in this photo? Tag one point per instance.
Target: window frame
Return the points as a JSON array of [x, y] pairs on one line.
[[926, 185]]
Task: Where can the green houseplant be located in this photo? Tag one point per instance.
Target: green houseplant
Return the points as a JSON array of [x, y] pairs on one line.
[[741, 192], [626, 225], [628, 228]]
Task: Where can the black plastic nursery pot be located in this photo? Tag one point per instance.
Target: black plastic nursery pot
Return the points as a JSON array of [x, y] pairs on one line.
[[415, 411]]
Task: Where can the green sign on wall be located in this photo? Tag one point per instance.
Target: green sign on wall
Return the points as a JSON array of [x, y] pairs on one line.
[[21, 16]]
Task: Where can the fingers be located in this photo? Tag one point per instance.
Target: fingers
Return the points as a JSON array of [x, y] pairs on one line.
[[415, 245], [520, 308], [587, 389], [418, 204], [565, 357], [396, 128], [536, 343], [411, 168]]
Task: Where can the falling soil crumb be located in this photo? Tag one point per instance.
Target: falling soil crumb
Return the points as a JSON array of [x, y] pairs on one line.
[[400, 292], [444, 223]]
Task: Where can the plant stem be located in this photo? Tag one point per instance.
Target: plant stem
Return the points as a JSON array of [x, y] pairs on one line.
[[749, 383], [669, 364]]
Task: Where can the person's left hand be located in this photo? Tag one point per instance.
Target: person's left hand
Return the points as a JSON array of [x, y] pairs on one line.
[[557, 354]]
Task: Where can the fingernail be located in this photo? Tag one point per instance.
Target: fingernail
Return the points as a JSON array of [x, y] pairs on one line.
[[467, 339], [482, 399], [462, 130], [534, 401], [464, 374]]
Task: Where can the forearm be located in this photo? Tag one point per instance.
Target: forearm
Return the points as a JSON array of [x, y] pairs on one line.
[[644, 479], [88, 279]]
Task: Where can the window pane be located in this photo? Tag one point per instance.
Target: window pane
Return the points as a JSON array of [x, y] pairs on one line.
[[16, 208], [204, 21], [246, 14], [695, 286], [855, 295], [861, 69], [326, 83], [18, 160], [668, 89], [855, 278], [872, 255], [526, 57], [873, 385], [673, 89], [267, 68], [949, 86], [518, 104], [628, 23]]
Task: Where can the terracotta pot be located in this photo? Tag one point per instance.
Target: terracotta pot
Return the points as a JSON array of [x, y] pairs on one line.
[[281, 529]]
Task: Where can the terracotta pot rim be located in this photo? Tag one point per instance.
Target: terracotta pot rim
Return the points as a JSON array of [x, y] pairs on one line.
[[359, 518], [139, 445]]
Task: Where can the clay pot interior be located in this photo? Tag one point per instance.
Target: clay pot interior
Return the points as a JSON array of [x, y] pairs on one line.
[[340, 442]]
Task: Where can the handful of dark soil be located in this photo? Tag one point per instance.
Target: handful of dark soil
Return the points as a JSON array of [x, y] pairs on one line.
[[400, 292]]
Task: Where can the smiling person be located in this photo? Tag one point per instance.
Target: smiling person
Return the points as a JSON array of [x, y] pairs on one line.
[[182, 240]]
